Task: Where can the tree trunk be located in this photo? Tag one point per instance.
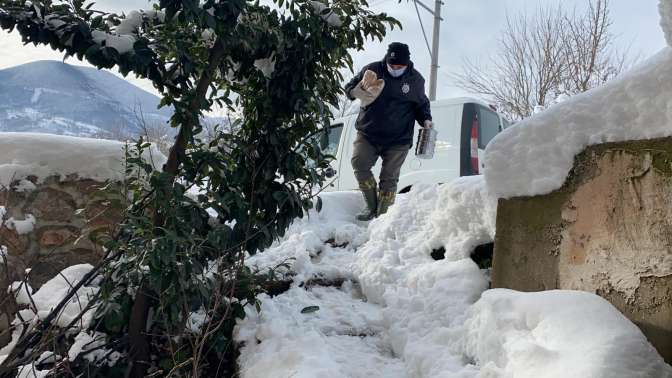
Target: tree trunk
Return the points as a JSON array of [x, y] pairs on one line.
[[138, 341]]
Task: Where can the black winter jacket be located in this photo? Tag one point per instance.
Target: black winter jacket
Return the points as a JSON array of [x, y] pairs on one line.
[[389, 120]]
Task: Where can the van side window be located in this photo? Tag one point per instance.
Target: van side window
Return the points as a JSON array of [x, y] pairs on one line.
[[489, 122], [333, 138]]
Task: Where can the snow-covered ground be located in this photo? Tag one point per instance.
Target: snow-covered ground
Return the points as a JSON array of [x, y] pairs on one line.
[[368, 300], [388, 309]]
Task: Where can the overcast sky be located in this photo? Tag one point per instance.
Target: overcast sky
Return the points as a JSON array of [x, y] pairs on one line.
[[469, 31]]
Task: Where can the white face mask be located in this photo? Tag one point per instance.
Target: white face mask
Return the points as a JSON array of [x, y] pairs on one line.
[[396, 73]]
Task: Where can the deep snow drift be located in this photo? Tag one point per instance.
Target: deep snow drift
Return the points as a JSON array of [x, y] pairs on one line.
[[557, 334], [535, 156], [424, 301], [400, 313], [43, 155]]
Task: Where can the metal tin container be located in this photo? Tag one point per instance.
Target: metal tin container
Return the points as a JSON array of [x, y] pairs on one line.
[[424, 149]]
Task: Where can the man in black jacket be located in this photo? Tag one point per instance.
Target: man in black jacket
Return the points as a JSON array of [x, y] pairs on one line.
[[392, 95]]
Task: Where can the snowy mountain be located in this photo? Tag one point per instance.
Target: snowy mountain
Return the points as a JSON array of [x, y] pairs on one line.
[[58, 98]]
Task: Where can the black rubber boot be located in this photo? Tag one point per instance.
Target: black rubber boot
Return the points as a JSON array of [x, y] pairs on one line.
[[368, 189], [385, 200]]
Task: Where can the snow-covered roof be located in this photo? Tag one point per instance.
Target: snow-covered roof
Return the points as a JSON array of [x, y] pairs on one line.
[[535, 156], [44, 155]]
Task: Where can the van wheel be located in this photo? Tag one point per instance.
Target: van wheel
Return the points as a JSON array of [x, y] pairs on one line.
[[405, 190]]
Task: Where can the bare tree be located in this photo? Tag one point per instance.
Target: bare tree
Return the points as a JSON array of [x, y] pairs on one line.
[[551, 53], [590, 57], [155, 131]]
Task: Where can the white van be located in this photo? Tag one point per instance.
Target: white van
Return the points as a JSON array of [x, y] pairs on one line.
[[464, 126]]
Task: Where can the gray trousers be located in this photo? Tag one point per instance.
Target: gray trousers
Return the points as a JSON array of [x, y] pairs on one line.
[[365, 155]]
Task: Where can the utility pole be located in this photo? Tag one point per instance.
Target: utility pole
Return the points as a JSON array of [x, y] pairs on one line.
[[435, 45], [435, 51]]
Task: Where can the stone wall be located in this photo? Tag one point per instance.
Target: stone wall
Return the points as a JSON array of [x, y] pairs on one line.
[[69, 213], [608, 230]]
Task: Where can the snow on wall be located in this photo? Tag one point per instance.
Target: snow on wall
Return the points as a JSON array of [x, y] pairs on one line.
[[44, 155], [665, 8], [22, 227], [535, 156]]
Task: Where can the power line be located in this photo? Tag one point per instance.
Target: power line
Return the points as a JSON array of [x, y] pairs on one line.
[[424, 34], [434, 49], [422, 26]]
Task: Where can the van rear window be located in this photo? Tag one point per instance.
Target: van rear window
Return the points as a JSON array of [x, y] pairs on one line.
[[333, 138], [489, 122]]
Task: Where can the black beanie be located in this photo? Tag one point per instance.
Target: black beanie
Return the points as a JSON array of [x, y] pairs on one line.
[[397, 53]]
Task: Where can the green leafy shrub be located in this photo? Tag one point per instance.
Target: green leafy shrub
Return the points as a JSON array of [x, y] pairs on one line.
[[189, 227]]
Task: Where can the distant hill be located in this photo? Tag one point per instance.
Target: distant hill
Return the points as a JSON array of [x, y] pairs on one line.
[[58, 98]]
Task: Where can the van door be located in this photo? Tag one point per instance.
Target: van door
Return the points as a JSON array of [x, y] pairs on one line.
[[346, 176], [330, 145], [479, 126], [445, 165], [337, 143], [489, 128]]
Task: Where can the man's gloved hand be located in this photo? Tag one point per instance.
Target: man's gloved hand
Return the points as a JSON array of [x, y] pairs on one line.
[[428, 124], [368, 89]]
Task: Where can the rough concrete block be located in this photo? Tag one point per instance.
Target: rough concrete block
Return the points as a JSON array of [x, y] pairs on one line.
[[608, 230]]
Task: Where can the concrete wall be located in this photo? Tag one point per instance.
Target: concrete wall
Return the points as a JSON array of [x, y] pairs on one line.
[[608, 230]]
